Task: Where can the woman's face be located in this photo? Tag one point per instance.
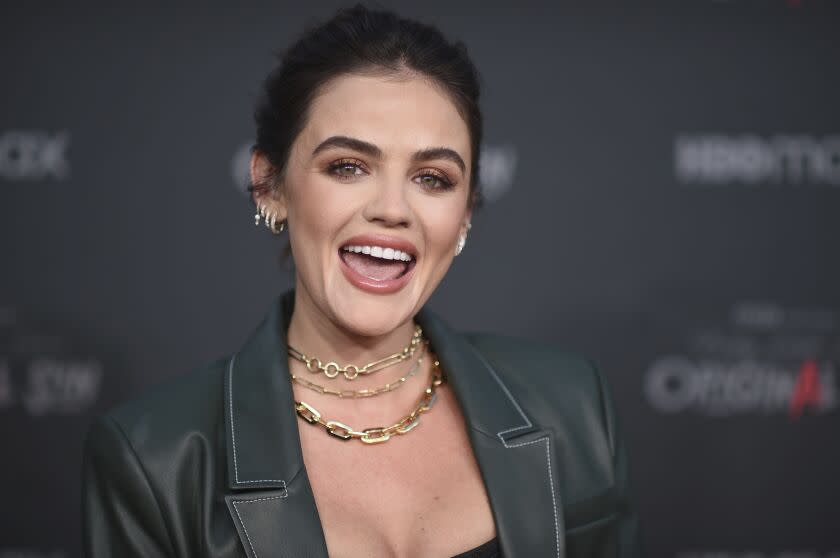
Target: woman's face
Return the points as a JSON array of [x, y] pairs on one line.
[[382, 166]]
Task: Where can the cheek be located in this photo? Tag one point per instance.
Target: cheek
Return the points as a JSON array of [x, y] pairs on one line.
[[318, 204], [317, 212], [442, 220]]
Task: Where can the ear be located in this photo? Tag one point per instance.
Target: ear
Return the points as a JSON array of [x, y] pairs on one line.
[[273, 198]]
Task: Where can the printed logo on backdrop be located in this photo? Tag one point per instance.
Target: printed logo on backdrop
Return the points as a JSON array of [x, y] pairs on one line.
[[748, 160], [763, 359], [41, 374], [34, 155], [497, 167]]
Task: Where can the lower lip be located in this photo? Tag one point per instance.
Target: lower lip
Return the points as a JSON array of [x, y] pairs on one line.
[[372, 285]]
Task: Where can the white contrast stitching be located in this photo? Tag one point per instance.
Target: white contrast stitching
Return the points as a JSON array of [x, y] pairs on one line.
[[232, 429], [509, 396], [247, 536], [545, 439], [550, 483], [233, 433], [245, 529]]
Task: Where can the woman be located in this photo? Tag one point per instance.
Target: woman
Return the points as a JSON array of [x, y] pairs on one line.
[[353, 422]]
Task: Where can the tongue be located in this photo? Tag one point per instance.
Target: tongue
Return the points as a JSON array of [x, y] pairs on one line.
[[374, 268]]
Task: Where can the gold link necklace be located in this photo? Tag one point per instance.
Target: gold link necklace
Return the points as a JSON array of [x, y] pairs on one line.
[[376, 435], [357, 393], [351, 371]]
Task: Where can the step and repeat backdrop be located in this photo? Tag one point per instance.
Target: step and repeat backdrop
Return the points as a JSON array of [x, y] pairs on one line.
[[663, 196]]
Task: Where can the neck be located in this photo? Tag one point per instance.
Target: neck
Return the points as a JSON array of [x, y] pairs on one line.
[[313, 333], [317, 336]]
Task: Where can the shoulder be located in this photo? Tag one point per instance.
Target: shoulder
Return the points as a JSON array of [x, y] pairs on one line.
[[549, 361], [537, 365], [565, 393], [136, 458], [188, 403], [558, 388]]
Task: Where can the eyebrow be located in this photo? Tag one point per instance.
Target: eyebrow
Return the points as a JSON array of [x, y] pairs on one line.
[[370, 149]]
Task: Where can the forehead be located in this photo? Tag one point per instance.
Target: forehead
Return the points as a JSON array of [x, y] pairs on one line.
[[398, 114]]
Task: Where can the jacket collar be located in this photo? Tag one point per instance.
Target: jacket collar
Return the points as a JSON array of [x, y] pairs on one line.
[[262, 432], [515, 455]]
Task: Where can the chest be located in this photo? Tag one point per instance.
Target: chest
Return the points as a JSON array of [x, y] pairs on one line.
[[420, 494]]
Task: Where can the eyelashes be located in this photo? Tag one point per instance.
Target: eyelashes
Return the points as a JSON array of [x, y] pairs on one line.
[[336, 167], [347, 170]]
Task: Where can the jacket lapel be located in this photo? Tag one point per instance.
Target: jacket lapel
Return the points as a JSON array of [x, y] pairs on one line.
[[270, 498], [516, 457]]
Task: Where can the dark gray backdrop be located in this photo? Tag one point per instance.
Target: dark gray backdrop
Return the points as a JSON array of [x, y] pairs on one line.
[[664, 186]]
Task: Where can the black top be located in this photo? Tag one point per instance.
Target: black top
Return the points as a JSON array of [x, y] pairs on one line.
[[490, 549]]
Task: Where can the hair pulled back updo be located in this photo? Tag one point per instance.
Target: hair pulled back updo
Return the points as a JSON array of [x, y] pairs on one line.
[[359, 40]]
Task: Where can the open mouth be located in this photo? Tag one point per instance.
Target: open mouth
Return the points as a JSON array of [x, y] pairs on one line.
[[377, 263]]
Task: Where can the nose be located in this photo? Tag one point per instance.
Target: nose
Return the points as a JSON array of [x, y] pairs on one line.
[[388, 205]]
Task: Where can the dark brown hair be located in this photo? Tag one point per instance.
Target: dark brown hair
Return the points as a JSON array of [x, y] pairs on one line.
[[362, 41]]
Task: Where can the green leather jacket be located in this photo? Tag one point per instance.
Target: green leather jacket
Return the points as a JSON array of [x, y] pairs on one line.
[[210, 465]]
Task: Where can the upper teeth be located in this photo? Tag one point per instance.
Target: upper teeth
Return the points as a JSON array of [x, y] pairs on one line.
[[380, 252]]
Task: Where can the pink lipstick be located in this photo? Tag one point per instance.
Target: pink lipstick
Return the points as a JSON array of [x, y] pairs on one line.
[[378, 264]]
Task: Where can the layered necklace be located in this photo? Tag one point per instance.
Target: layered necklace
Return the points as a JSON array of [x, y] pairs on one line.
[[351, 371], [331, 370]]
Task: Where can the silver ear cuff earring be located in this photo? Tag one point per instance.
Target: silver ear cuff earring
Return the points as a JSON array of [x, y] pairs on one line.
[[270, 218], [462, 240]]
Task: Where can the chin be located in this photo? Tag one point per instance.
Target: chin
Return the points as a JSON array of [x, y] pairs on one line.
[[370, 314]]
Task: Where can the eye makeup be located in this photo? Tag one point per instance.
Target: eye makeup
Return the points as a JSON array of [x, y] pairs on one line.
[[336, 168]]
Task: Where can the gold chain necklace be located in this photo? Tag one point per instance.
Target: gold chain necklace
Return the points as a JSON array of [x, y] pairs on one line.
[[379, 434], [351, 371], [357, 393]]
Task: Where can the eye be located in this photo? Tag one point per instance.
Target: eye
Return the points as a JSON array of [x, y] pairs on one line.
[[435, 180], [346, 169]]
